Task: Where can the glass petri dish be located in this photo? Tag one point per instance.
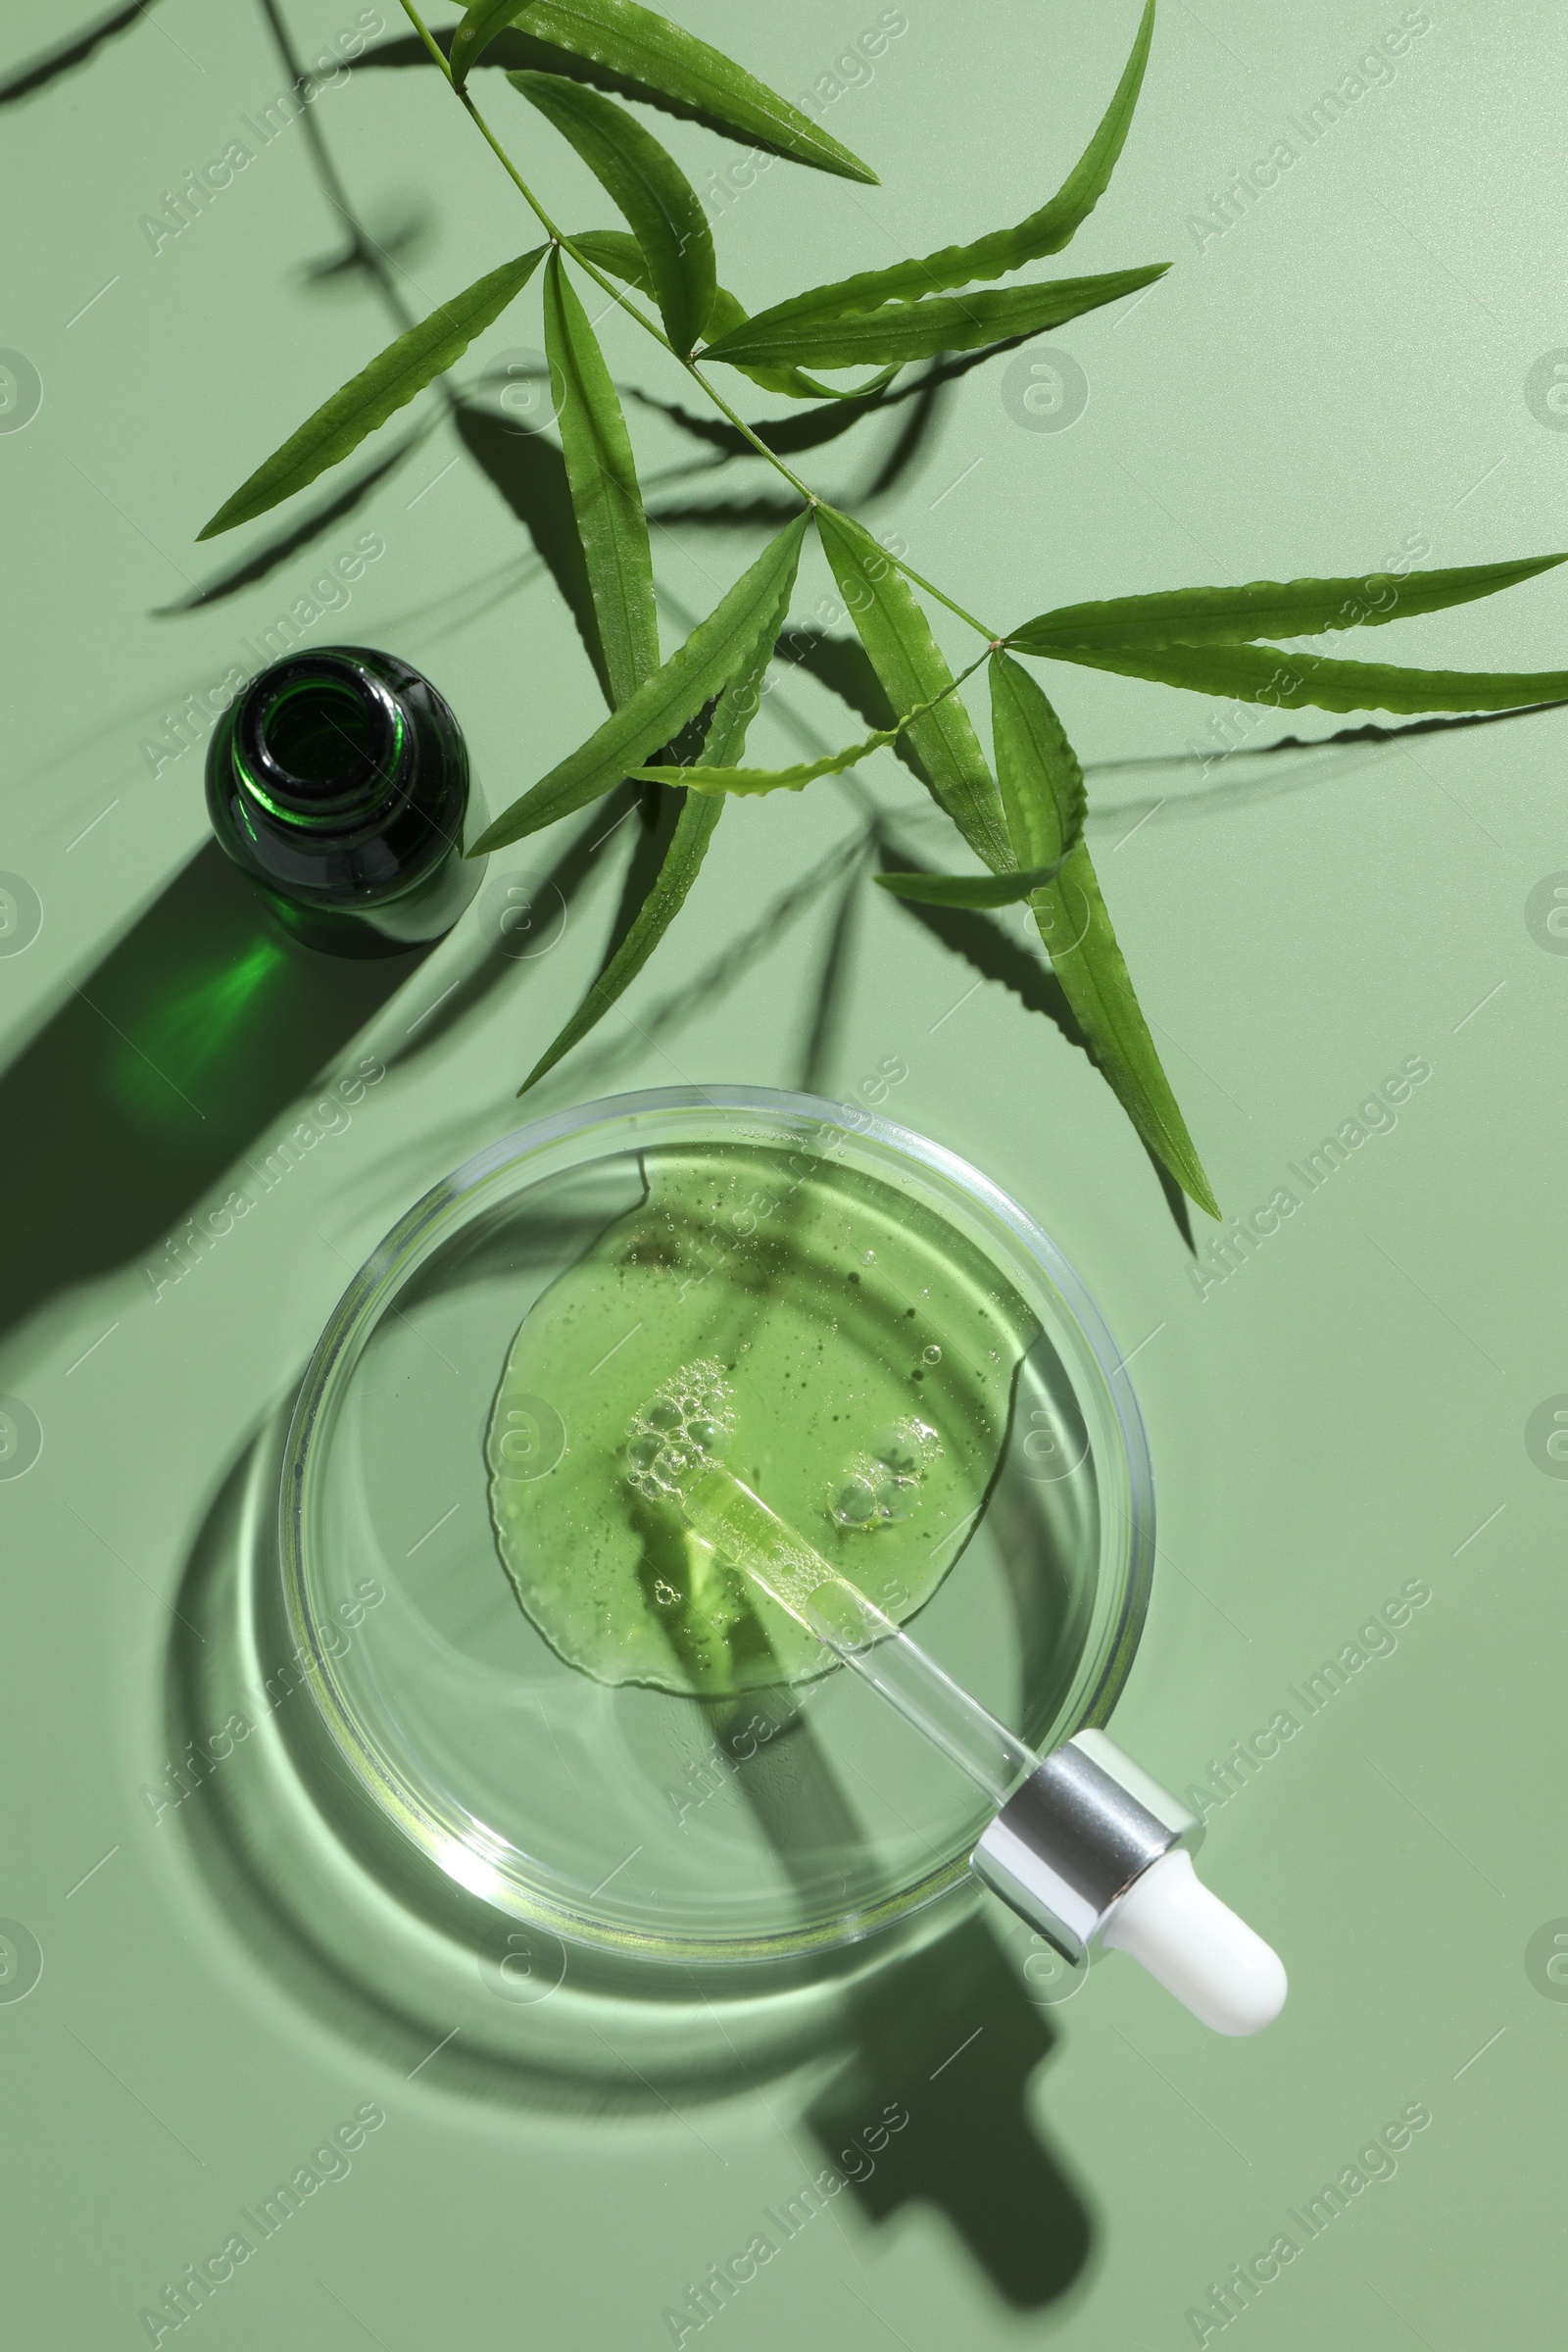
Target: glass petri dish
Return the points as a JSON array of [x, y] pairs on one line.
[[627, 1819]]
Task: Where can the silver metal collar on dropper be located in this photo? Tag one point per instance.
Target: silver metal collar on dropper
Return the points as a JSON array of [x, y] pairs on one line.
[[1074, 1837], [1090, 1850]]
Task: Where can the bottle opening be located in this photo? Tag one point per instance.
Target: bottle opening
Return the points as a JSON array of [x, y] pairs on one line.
[[319, 740], [320, 736]]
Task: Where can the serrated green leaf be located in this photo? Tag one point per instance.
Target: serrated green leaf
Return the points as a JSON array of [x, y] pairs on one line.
[[729, 314], [620, 256], [618, 253], [478, 29], [369, 398], [1050, 230], [661, 708], [1267, 609], [901, 332], [751, 781], [710, 776], [1257, 674], [662, 56], [644, 179], [1042, 793], [907, 658], [1044, 233], [605, 496], [969, 890]]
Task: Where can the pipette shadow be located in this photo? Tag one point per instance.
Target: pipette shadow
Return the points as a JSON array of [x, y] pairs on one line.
[[932, 2109]]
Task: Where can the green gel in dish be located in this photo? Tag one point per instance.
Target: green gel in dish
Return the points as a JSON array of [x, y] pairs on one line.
[[845, 1351]]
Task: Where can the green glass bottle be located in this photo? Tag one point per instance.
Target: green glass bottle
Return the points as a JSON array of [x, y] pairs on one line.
[[338, 783]]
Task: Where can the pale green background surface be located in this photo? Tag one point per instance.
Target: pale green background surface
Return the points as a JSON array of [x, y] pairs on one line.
[[1344, 367]]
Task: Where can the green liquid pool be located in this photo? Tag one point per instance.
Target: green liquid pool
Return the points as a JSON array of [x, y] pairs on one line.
[[842, 1350]]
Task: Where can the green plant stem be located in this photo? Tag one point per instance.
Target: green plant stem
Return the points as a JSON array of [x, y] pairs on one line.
[[745, 430], [995, 637], [560, 237]]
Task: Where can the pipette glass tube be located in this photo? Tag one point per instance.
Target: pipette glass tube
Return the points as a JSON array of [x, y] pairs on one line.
[[739, 1526]]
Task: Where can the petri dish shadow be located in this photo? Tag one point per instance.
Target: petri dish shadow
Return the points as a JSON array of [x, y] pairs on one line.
[[364, 1928], [363, 1932]]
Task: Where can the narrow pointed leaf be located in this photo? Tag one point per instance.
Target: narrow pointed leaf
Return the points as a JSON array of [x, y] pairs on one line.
[[1267, 609], [661, 708], [1043, 792], [1257, 674], [729, 314], [663, 58], [709, 776], [478, 30], [742, 782], [908, 661], [369, 398], [618, 253], [969, 890], [1044, 233], [659, 201], [620, 256], [1058, 222], [901, 332], [688, 846], [605, 496]]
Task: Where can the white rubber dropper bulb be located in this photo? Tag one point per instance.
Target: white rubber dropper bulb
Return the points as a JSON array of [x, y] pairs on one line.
[[1196, 1946]]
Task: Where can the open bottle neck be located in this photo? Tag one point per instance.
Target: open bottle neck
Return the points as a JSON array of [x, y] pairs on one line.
[[321, 744]]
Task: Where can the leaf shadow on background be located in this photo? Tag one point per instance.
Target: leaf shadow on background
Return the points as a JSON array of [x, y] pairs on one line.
[[361, 253], [827, 1004], [814, 429], [760, 514], [530, 473], [404, 235], [1234, 789], [843, 667], [77, 49], [789, 436], [578, 1076], [914, 444], [499, 962], [276, 552]]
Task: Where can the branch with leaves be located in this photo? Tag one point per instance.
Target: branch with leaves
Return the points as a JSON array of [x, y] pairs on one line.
[[1020, 814]]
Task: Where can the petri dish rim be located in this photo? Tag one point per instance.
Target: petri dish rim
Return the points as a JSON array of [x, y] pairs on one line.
[[468, 1852]]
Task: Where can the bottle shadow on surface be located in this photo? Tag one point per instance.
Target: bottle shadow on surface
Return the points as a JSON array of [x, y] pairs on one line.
[[172, 1062]]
